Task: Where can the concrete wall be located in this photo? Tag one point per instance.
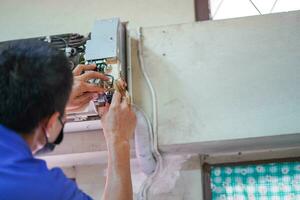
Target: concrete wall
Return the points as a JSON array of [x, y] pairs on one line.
[[22, 19], [181, 179]]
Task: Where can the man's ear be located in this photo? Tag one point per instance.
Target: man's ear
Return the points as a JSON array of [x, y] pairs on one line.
[[52, 121]]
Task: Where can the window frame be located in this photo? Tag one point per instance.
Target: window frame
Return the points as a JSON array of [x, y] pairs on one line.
[[206, 169]]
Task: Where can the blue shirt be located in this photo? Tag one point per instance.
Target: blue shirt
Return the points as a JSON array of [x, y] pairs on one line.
[[23, 177]]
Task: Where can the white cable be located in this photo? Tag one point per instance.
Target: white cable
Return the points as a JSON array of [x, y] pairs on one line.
[[147, 183], [144, 142]]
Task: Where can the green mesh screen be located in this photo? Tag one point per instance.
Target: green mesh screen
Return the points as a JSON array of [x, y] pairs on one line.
[[274, 181]]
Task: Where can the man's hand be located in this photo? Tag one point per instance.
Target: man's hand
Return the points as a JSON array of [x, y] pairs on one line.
[[82, 91], [118, 122]]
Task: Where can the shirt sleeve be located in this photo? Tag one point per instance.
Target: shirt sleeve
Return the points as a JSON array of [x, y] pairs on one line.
[[66, 188]]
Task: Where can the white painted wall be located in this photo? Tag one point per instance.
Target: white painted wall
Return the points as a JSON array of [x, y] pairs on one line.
[[30, 18], [91, 179]]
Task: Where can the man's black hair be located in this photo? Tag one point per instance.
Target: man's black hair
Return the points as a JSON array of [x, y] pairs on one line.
[[35, 82]]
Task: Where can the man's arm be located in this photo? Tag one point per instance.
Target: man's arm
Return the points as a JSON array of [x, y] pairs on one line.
[[118, 182], [118, 124]]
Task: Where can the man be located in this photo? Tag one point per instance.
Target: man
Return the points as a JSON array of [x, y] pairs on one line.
[[36, 87]]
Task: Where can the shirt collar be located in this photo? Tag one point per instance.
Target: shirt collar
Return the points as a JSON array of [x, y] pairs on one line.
[[10, 141]]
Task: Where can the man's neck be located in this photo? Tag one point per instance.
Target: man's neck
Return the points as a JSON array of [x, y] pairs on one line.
[[29, 138]]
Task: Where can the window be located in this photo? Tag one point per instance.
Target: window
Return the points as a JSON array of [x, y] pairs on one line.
[[271, 180], [223, 9]]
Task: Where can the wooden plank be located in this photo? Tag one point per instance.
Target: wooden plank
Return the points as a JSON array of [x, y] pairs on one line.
[[202, 10]]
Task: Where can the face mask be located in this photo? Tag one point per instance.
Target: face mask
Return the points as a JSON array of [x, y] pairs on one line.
[[49, 147]]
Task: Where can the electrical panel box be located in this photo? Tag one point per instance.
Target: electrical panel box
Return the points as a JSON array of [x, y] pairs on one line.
[[106, 48]]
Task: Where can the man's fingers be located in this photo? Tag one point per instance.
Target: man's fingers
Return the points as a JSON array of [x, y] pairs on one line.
[[83, 99], [81, 68], [116, 100], [126, 98], [87, 87], [126, 101], [93, 75], [102, 110]]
